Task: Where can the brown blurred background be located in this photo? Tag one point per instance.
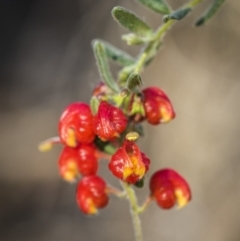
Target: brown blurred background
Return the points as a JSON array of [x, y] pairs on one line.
[[47, 62]]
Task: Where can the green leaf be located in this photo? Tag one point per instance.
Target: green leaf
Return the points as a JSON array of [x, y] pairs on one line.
[[130, 21], [177, 15], [117, 55], [103, 67], [209, 13], [159, 6], [134, 81]]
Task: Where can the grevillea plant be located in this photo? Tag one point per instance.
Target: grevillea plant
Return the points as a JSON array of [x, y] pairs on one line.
[[110, 125]]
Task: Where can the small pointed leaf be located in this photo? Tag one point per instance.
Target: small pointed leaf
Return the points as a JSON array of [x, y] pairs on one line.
[[117, 55], [130, 21], [159, 6], [94, 104], [177, 15], [103, 67], [209, 13]]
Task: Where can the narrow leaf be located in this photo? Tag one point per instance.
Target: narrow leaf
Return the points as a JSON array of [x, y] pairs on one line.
[[177, 15], [130, 21], [159, 6], [117, 55], [103, 67], [209, 13]]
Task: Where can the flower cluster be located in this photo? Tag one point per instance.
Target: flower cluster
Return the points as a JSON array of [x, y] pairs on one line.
[[108, 128]]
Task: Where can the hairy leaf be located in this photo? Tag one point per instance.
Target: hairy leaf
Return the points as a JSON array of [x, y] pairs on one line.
[[116, 54], [103, 67], [159, 6], [130, 21]]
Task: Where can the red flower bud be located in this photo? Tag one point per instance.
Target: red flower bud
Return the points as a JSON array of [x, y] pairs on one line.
[[101, 90], [75, 161], [91, 194], [75, 125], [158, 107], [129, 163], [109, 122], [169, 188]]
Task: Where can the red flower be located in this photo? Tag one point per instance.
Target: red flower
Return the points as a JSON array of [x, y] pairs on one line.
[[91, 194], [129, 163], [75, 161], [109, 122], [169, 188], [75, 125], [158, 107]]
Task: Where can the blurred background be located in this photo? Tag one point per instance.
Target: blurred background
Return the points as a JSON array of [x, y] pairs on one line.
[[47, 62]]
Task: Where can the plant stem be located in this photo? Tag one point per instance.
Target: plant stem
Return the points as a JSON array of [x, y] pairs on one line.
[[145, 205], [134, 211], [159, 34], [149, 51]]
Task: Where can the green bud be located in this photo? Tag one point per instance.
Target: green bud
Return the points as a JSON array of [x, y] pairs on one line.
[[177, 15], [134, 81], [133, 39]]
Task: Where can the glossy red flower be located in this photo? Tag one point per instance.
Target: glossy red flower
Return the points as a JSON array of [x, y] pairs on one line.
[[129, 163], [158, 107], [75, 161], [169, 188], [91, 194], [109, 122], [76, 125]]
